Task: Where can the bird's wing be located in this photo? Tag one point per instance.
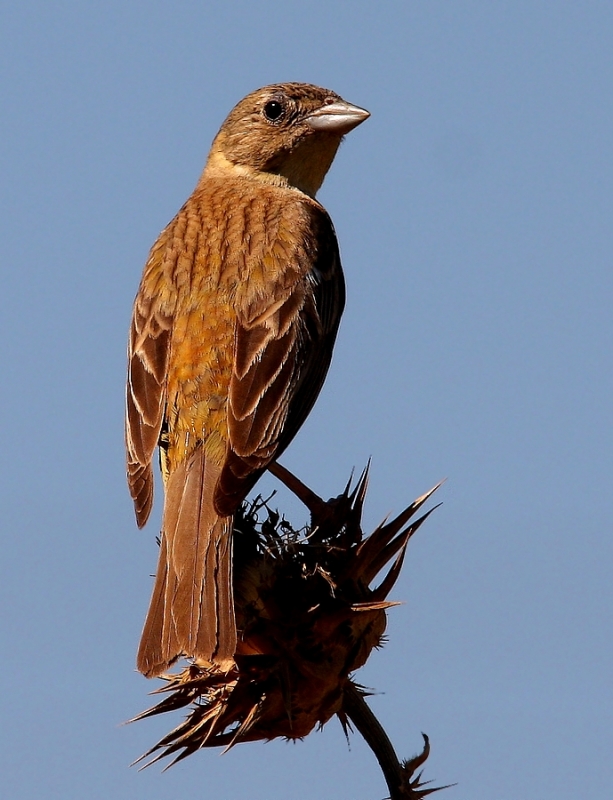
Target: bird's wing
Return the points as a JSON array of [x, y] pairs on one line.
[[148, 350], [283, 348]]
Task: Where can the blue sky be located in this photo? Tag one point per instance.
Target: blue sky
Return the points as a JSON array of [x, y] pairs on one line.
[[474, 216]]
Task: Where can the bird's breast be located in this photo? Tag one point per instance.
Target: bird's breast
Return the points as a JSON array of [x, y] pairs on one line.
[[235, 250]]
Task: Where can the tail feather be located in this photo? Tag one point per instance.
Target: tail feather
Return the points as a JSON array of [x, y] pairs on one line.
[[192, 609]]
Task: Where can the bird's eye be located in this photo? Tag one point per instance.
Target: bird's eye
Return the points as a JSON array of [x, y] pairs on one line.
[[273, 110]]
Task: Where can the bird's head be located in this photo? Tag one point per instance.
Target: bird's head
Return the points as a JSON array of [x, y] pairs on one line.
[[287, 133]]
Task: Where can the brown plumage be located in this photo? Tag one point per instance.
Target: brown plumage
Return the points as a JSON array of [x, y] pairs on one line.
[[232, 335]]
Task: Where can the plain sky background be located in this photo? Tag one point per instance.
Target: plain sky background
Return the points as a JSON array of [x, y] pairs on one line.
[[474, 212]]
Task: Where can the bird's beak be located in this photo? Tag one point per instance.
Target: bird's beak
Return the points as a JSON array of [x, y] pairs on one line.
[[339, 117]]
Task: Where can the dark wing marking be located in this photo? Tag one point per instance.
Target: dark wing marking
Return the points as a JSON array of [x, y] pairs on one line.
[[148, 349], [282, 355]]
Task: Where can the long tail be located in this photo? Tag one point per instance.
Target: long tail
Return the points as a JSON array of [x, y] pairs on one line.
[[192, 609]]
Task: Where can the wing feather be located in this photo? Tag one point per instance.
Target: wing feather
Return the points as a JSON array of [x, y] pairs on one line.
[[148, 353], [283, 352]]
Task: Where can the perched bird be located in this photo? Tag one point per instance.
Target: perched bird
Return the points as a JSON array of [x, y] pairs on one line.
[[231, 338]]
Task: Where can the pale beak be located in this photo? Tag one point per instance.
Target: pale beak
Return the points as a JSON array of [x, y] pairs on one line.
[[338, 117]]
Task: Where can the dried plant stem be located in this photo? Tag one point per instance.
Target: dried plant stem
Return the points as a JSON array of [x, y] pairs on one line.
[[309, 617], [358, 711]]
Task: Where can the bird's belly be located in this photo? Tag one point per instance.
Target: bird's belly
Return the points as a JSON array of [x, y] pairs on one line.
[[200, 369]]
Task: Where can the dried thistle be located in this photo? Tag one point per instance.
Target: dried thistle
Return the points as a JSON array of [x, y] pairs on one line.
[[308, 618]]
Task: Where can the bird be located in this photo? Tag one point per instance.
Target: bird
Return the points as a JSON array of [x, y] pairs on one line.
[[231, 337]]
